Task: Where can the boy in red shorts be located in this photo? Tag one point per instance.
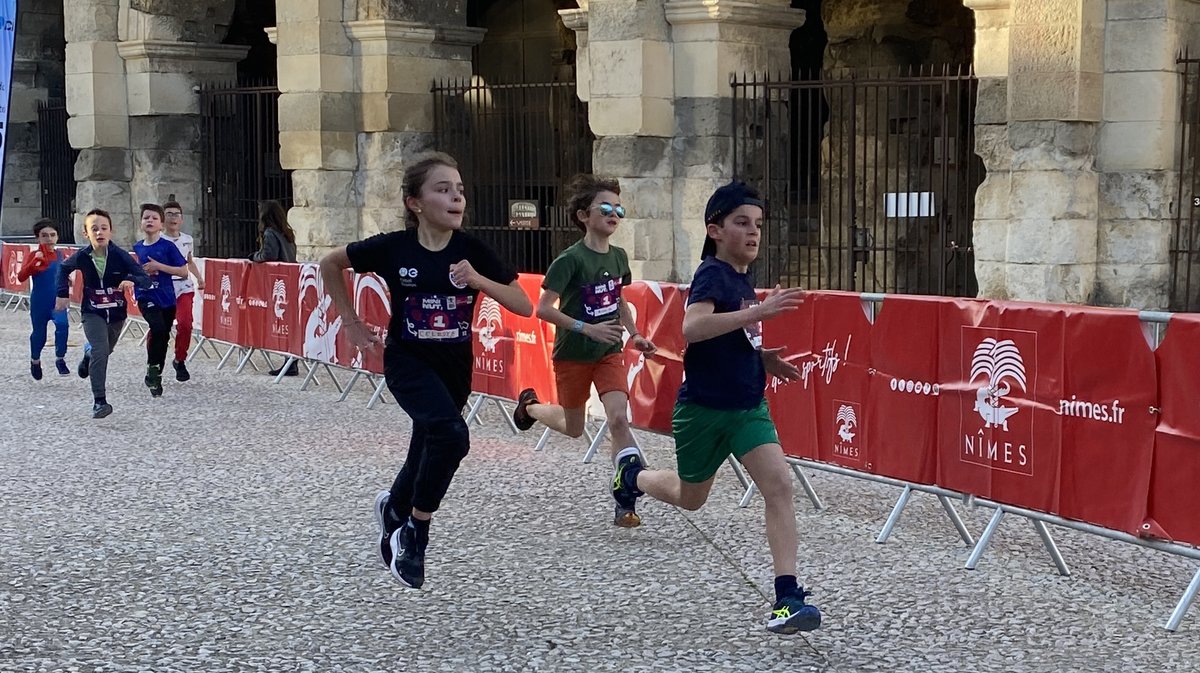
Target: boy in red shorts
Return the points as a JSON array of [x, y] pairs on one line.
[[585, 282]]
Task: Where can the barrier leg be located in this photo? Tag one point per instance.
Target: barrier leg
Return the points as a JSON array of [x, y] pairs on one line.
[[245, 360], [476, 406], [544, 440], [894, 517], [228, 354], [747, 483], [380, 388], [748, 496], [808, 488], [1184, 603], [332, 377], [311, 377], [596, 441], [1048, 541], [349, 386], [985, 539], [291, 360], [956, 520], [196, 349], [507, 416]]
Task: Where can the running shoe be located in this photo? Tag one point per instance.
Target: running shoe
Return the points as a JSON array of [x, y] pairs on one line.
[[791, 614], [625, 492], [521, 417], [61, 365], [35, 370], [408, 565]]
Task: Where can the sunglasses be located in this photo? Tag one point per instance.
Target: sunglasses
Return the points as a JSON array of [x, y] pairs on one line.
[[607, 209]]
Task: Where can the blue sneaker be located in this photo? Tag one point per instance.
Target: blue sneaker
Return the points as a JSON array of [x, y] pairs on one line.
[[61, 366], [791, 614], [625, 491], [35, 370]]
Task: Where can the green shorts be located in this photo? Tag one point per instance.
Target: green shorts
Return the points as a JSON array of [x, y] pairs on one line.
[[705, 437]]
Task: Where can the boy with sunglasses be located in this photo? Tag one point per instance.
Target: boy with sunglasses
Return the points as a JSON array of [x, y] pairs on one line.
[[581, 297]]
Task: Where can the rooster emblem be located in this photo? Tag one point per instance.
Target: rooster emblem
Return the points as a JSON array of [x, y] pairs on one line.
[[997, 363]]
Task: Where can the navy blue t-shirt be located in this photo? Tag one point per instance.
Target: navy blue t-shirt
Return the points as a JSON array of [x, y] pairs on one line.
[[724, 372], [161, 293]]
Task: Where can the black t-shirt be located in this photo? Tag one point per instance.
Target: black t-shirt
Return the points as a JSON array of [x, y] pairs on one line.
[[724, 372], [431, 317]]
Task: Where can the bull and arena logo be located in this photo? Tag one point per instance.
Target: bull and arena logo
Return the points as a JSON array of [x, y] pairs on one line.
[[997, 432]]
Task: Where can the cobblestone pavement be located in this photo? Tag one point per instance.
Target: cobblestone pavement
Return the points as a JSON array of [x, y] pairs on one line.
[[227, 527]]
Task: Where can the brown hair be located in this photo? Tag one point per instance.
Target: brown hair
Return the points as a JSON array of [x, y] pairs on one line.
[[44, 223], [417, 174], [172, 204], [582, 190], [102, 213], [271, 215], [153, 207]]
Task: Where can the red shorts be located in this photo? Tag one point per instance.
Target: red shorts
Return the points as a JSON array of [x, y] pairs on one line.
[[574, 379]]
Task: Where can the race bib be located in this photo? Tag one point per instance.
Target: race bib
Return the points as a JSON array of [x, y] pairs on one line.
[[601, 299], [754, 330], [436, 317], [105, 298]]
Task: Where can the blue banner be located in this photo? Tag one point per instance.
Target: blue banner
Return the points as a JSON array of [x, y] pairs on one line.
[[8, 41]]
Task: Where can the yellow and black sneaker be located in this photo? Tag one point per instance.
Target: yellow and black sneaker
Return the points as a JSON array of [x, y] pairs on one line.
[[791, 614], [624, 488]]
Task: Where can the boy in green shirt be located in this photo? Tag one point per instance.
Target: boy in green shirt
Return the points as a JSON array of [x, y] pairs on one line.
[[581, 297]]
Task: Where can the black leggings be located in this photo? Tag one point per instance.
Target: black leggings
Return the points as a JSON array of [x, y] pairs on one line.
[[440, 439], [159, 319]]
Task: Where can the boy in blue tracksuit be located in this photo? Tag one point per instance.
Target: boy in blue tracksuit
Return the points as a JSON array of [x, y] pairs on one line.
[[42, 267], [107, 272], [163, 262]]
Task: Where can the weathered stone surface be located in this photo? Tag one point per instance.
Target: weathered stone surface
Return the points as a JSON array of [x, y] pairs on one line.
[[165, 132], [992, 278], [703, 116], [991, 103], [633, 155], [1061, 283], [1147, 44], [318, 111], [1141, 96], [1073, 96], [113, 196], [91, 20], [1139, 195], [312, 10], [647, 198], [1142, 286], [990, 240], [322, 73], [1134, 241], [173, 165], [626, 20], [1052, 145], [1139, 9], [381, 220], [452, 12], [1138, 145], [98, 131], [104, 163], [205, 21], [1054, 195], [1054, 242], [318, 150], [707, 157], [318, 228]]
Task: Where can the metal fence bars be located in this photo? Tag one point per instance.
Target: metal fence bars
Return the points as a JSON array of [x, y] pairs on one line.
[[239, 167], [870, 177], [517, 146], [1185, 231], [56, 167]]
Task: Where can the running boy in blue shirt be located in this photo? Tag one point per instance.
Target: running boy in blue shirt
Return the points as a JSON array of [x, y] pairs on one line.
[[722, 408], [162, 261]]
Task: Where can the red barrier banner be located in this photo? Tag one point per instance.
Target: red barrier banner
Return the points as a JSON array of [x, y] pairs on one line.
[[321, 322], [1174, 498], [841, 351], [512, 352], [1109, 389], [272, 315], [224, 300], [902, 396], [793, 403], [654, 381], [1001, 372], [14, 255]]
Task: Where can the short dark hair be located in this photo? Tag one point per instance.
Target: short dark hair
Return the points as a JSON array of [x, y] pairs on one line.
[[101, 212], [172, 204], [44, 223], [582, 190], [162, 215]]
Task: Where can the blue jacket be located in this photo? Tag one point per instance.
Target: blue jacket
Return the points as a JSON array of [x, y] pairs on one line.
[[100, 295]]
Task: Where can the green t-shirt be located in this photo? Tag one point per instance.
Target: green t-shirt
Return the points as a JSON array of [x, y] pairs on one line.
[[100, 262], [589, 284]]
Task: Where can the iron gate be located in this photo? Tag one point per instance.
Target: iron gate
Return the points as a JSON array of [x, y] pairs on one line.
[[56, 167], [870, 178], [1185, 237], [517, 146], [239, 165]]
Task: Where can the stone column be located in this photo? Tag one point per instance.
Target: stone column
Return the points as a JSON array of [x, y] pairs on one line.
[[714, 39], [161, 78], [398, 61], [318, 122], [627, 72], [1137, 150], [1054, 108], [98, 105]]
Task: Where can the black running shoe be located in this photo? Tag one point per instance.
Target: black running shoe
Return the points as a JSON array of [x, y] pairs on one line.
[[293, 370], [385, 539], [521, 416], [154, 380], [61, 365], [85, 366], [35, 370], [625, 514], [181, 371], [790, 614], [101, 410], [408, 565]]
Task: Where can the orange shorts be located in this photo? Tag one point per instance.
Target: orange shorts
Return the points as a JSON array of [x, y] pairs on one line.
[[575, 379]]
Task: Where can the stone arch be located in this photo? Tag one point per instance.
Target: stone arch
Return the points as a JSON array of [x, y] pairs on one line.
[[526, 40], [205, 22]]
